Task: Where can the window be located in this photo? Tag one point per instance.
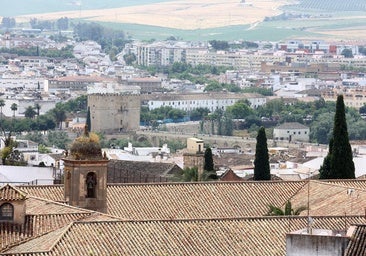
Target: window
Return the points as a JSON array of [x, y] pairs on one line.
[[6, 211], [91, 182]]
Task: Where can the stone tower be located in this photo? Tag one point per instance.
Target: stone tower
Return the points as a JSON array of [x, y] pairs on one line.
[[114, 112], [85, 174], [195, 156]]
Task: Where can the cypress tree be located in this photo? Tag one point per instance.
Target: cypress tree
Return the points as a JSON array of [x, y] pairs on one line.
[[324, 170], [208, 165], [88, 121], [341, 159], [261, 163]]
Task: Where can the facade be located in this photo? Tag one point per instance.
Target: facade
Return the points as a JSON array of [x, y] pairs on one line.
[[73, 83], [85, 183], [291, 132], [316, 242], [118, 112], [212, 101], [12, 205], [354, 97], [195, 156], [147, 84]]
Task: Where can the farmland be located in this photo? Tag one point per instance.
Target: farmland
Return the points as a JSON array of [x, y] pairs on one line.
[[211, 19]]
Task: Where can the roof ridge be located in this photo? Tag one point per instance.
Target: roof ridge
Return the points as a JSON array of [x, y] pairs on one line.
[[335, 183], [223, 219], [17, 195], [66, 228], [205, 183]]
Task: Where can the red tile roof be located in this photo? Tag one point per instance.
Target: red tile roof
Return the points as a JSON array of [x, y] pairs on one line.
[[357, 245], [219, 218], [10, 193], [43, 216], [240, 236]]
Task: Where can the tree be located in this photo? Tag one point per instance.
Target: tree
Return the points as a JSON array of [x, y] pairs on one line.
[[209, 164], [261, 161], [60, 114], [88, 120], [193, 175], [30, 112], [240, 110], [62, 23], [2, 104], [37, 107], [8, 22], [129, 58], [341, 157], [324, 170], [338, 164], [9, 145], [14, 107], [276, 211], [347, 53]]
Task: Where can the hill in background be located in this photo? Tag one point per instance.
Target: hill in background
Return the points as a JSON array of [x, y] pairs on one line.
[[209, 19]]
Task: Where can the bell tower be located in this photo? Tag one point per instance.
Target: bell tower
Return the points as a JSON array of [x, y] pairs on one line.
[[85, 174]]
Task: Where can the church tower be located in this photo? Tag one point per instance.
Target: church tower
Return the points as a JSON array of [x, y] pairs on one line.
[[85, 174]]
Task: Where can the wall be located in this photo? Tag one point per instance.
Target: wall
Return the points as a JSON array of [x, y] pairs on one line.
[[114, 112], [315, 245]]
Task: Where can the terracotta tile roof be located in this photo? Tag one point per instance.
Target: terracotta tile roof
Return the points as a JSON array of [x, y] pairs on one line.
[[361, 184], [223, 199], [42, 216], [50, 192], [357, 245], [218, 218], [10, 193], [40, 206], [243, 236], [40, 244], [120, 171], [34, 226], [167, 201], [334, 198]]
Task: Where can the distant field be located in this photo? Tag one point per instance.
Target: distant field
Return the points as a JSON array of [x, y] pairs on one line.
[[180, 14], [210, 19]]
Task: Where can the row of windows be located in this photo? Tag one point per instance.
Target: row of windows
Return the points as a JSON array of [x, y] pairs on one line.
[[190, 102], [298, 132]]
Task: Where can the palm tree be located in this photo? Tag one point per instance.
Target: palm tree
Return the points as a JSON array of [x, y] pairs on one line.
[[37, 107], [276, 211], [14, 107], [60, 115], [29, 112], [2, 104]]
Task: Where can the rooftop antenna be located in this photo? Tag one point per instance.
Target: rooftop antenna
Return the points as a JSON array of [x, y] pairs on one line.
[[310, 220]]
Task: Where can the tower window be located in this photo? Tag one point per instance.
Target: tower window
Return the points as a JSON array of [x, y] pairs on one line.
[[6, 211], [91, 183]]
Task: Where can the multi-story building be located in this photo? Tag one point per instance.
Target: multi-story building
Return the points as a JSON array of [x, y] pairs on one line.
[[147, 84], [354, 97], [212, 101], [73, 83]]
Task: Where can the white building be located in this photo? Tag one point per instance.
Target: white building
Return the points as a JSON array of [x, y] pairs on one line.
[[212, 101], [291, 132]]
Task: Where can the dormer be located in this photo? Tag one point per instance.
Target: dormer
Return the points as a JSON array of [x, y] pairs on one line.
[[12, 205]]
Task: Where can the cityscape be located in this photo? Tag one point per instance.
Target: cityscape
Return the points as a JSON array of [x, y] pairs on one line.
[[158, 128]]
